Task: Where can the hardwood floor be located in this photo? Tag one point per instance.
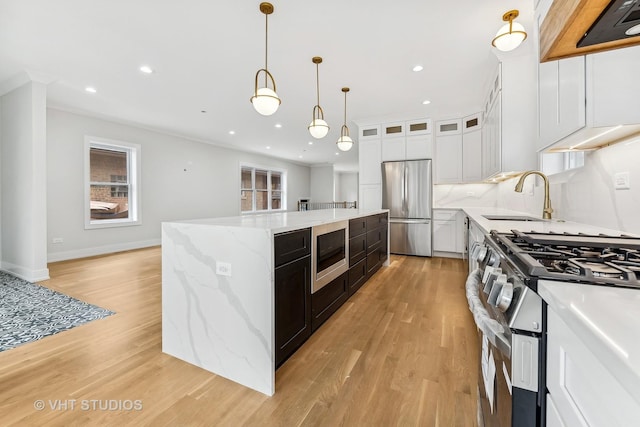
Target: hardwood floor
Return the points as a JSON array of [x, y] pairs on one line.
[[402, 351]]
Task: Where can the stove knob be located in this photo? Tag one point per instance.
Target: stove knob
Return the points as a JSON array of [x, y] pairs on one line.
[[493, 258], [496, 288], [488, 270], [481, 253], [505, 297], [491, 278]]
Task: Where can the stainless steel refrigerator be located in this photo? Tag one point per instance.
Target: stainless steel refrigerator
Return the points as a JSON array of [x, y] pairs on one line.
[[406, 192]]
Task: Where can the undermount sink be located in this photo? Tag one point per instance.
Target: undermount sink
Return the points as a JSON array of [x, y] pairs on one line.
[[511, 218]]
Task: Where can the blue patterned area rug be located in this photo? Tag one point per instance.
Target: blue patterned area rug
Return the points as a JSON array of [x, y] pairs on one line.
[[29, 312]]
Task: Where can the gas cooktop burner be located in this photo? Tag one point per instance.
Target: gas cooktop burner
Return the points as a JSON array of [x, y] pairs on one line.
[[609, 260]]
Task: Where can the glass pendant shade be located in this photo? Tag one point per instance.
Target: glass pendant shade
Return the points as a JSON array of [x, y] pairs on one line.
[[345, 143], [265, 101], [318, 128], [511, 34]]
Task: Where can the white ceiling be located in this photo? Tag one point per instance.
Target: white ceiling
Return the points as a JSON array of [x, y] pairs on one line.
[[205, 55]]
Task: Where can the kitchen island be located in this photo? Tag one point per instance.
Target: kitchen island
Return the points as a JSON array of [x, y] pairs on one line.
[[218, 289]]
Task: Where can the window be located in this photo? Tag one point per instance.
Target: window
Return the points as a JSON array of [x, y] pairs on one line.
[[112, 177], [262, 189]]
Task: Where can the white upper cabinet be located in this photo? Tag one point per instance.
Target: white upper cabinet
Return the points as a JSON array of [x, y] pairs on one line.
[[393, 130], [409, 140], [613, 89], [448, 159], [369, 156], [369, 132], [394, 149], [472, 148], [449, 127], [419, 147], [418, 127], [562, 99]]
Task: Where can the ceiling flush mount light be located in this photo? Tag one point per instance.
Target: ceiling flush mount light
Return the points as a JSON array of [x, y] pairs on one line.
[[418, 68], [265, 100], [426, 102], [345, 142], [146, 69], [318, 127], [510, 35]]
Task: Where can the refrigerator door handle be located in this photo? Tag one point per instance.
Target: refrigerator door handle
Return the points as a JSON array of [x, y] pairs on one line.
[[405, 207]]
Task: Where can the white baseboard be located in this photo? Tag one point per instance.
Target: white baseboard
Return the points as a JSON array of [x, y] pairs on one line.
[[24, 273], [101, 250]]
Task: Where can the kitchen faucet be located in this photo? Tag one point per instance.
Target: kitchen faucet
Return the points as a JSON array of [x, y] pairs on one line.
[[546, 210]]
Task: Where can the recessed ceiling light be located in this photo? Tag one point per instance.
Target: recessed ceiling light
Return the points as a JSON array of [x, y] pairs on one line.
[[337, 154], [146, 69], [426, 102], [232, 132], [418, 68], [268, 147], [310, 142], [90, 89], [300, 156], [633, 31], [278, 125]]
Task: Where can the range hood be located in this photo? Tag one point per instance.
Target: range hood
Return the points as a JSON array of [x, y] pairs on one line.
[[579, 27]]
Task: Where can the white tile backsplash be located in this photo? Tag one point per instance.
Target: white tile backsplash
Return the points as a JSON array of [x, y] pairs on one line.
[[586, 195]]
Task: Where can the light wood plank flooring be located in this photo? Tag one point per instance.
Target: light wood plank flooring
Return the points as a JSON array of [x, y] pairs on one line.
[[402, 351]]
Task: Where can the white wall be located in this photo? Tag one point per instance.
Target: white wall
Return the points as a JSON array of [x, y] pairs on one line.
[[587, 195], [322, 185], [347, 186], [181, 179], [23, 182]]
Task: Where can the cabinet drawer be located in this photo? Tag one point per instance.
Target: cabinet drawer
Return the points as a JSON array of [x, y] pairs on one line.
[[373, 261], [374, 237], [357, 249], [376, 221], [328, 300], [357, 276], [291, 245], [445, 214], [357, 226]]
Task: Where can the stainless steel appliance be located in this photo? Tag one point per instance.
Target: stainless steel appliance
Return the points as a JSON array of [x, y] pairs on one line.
[[330, 253], [511, 316], [406, 192]]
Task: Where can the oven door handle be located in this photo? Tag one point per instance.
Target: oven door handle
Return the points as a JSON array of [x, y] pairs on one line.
[[491, 328]]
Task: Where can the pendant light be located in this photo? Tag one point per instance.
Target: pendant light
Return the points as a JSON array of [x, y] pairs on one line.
[[511, 34], [345, 142], [265, 100], [318, 127]]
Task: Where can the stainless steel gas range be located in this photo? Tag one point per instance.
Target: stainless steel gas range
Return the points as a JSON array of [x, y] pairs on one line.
[[511, 316]]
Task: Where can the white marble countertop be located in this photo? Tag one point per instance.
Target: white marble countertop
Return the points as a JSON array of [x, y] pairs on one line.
[[279, 222], [606, 320], [544, 226]]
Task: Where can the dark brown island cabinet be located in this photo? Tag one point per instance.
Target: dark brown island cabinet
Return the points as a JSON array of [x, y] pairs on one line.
[[298, 312]]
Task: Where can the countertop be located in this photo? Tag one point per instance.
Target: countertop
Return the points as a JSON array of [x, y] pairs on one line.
[[605, 318], [544, 226], [279, 222]]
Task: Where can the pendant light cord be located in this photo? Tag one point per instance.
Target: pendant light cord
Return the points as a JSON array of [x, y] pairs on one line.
[[266, 45], [345, 109], [318, 83]]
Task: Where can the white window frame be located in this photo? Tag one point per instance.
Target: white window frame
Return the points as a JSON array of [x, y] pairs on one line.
[[133, 172], [269, 170]]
